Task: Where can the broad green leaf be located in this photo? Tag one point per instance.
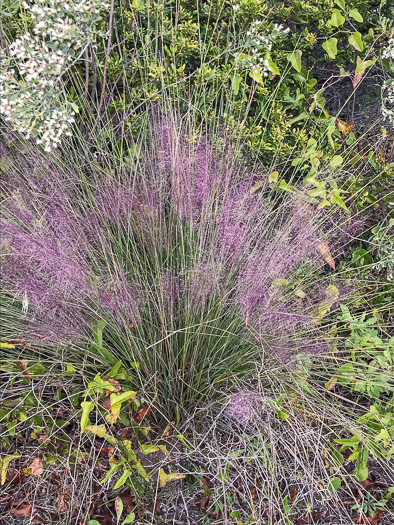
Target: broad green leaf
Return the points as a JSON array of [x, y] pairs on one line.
[[236, 83], [337, 199], [122, 480], [330, 131], [121, 398], [165, 478], [331, 47], [356, 41], [93, 522], [256, 75], [281, 415], [340, 3], [129, 519], [363, 64], [383, 436], [295, 59], [301, 116], [148, 449], [361, 472], [336, 18], [334, 484], [70, 371], [273, 67], [115, 369], [141, 471], [354, 13], [75, 107], [336, 161], [273, 177], [87, 407], [114, 467]]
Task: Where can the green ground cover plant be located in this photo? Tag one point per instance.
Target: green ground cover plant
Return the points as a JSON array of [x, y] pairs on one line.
[[196, 262]]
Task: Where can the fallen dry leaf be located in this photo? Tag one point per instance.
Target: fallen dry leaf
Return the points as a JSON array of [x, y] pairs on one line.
[[63, 506], [324, 250], [23, 509], [107, 403], [362, 519], [105, 451], [115, 384], [127, 502], [308, 519], [142, 413], [23, 366], [204, 502], [36, 468], [369, 483], [344, 127]]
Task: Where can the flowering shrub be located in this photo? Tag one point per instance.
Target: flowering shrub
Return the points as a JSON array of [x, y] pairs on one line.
[[188, 264], [31, 95]]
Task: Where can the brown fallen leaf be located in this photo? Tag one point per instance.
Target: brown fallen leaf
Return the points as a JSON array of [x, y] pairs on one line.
[[324, 250], [23, 509], [308, 519], [128, 502], [142, 413], [362, 519], [23, 366], [63, 505], [117, 388], [36, 468], [105, 451], [370, 482], [344, 127], [204, 502], [107, 403]]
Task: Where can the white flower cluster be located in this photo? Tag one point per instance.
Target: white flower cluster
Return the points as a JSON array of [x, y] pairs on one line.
[[388, 87], [30, 97], [65, 22], [261, 44]]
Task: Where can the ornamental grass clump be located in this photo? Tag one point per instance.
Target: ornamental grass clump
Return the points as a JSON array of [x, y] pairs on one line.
[[187, 269]]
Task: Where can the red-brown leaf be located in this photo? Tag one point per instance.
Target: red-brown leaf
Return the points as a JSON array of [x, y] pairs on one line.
[[362, 519], [142, 413], [23, 509]]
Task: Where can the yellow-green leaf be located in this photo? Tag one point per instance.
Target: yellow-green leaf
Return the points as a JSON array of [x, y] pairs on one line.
[[273, 67], [148, 449], [99, 430], [121, 398], [330, 46], [336, 18], [123, 478], [87, 407], [165, 478], [356, 41], [4, 462], [295, 59], [273, 177], [354, 13], [281, 415]]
